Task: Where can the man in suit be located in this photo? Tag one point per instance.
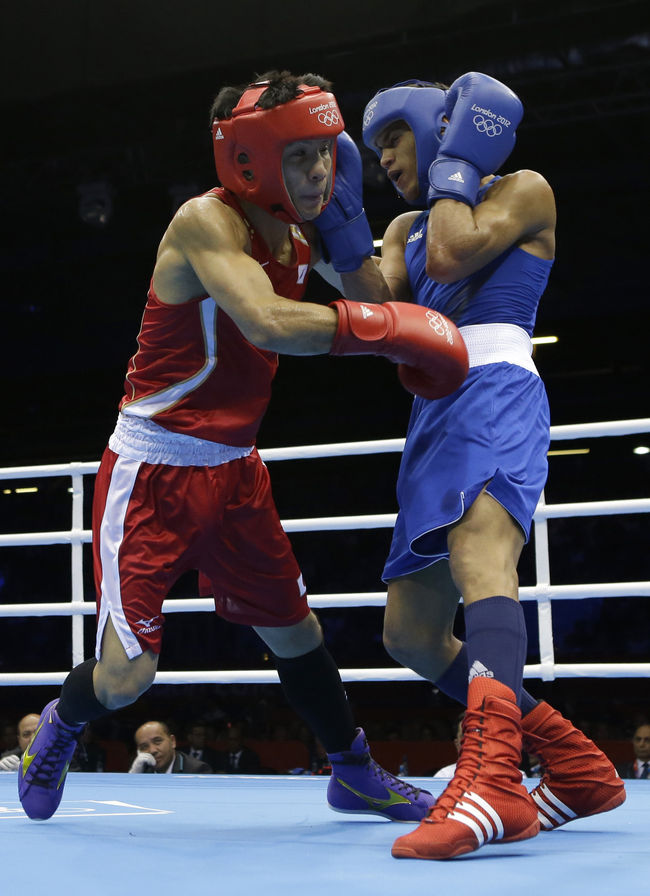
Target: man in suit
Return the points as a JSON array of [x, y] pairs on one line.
[[196, 736], [640, 768], [238, 759], [157, 753]]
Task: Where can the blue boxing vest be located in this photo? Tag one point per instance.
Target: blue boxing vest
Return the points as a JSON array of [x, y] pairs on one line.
[[505, 291]]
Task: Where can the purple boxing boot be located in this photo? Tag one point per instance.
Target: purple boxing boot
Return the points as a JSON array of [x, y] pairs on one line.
[[44, 764], [359, 785]]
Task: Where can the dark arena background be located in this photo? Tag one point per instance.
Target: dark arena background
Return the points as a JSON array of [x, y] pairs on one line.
[[104, 107]]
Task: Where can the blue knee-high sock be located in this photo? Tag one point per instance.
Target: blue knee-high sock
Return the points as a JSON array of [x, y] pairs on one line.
[[453, 682], [496, 640]]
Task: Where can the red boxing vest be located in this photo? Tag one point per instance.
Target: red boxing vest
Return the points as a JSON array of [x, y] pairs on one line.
[[194, 372]]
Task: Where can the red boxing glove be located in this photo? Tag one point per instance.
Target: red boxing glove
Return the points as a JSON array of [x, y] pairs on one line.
[[428, 347]]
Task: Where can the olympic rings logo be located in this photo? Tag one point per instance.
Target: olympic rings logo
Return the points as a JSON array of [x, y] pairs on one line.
[[486, 126], [329, 118], [368, 118], [439, 326]]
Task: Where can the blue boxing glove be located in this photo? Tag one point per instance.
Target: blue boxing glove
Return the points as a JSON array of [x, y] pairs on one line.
[[342, 225], [483, 117]]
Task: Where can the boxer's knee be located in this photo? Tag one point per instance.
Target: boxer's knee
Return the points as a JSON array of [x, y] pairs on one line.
[[120, 686], [428, 651], [293, 640], [419, 619], [119, 680]]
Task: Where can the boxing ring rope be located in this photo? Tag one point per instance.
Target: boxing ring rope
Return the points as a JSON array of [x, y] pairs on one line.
[[543, 592]]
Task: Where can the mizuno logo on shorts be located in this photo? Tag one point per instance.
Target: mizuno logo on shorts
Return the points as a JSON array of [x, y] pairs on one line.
[[146, 626]]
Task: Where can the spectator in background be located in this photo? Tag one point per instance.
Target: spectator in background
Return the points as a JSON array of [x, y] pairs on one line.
[[238, 759], [157, 753], [7, 737], [197, 747], [640, 767], [89, 755], [10, 759]]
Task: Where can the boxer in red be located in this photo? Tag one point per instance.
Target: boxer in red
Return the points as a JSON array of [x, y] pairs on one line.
[[181, 485]]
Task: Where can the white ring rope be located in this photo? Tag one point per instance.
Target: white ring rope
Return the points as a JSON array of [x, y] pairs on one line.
[[338, 523], [543, 592], [335, 449], [268, 676]]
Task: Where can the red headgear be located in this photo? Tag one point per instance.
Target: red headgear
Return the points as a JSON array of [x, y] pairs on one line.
[[248, 146]]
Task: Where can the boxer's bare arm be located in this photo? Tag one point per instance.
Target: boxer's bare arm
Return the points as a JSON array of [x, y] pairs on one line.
[[205, 240], [519, 210], [393, 264], [204, 251]]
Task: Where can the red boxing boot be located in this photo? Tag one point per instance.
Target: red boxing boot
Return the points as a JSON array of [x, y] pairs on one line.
[[485, 800], [578, 779]]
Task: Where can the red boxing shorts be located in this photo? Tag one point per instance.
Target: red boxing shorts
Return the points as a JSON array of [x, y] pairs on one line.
[[152, 523]]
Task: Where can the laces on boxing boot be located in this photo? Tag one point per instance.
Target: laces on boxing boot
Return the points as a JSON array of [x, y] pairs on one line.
[[45, 762], [485, 801]]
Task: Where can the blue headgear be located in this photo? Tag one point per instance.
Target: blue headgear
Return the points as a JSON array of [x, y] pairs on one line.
[[422, 106]]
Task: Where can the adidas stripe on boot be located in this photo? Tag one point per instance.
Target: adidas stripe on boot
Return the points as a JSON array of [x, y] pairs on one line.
[[485, 800], [578, 779]]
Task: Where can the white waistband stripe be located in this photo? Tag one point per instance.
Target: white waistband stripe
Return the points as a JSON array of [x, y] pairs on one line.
[[146, 441], [496, 343]]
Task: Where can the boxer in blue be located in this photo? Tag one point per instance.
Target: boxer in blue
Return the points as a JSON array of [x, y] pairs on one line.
[[474, 463]]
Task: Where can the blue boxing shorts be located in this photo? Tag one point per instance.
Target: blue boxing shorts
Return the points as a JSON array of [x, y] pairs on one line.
[[494, 429]]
